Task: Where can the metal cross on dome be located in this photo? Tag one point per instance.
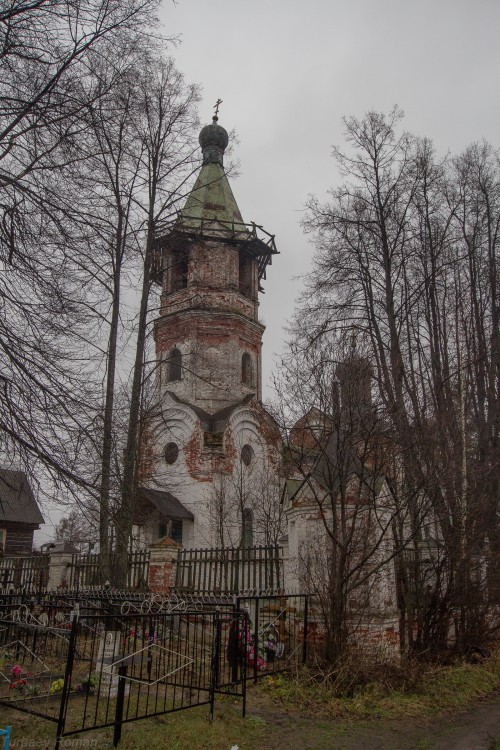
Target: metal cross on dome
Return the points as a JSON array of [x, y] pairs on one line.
[[216, 106]]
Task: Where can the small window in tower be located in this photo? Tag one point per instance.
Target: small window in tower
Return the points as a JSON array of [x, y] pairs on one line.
[[171, 453], [179, 272], [246, 370], [245, 275], [174, 365]]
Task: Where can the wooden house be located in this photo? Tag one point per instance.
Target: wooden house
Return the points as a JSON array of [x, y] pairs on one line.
[[20, 515]]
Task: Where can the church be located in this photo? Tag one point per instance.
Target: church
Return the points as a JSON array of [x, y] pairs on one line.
[[215, 472], [211, 452]]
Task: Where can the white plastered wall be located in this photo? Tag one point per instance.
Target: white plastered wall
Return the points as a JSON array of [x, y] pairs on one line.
[[220, 485]]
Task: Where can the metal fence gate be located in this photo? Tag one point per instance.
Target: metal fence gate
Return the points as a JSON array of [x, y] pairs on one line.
[[90, 660], [87, 671], [277, 632]]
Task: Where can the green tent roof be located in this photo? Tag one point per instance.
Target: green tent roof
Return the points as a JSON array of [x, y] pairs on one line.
[[211, 198]]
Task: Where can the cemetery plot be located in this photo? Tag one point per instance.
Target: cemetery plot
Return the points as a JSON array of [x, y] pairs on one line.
[[92, 661], [107, 669]]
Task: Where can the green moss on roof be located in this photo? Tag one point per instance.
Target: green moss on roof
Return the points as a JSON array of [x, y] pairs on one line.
[[211, 198]]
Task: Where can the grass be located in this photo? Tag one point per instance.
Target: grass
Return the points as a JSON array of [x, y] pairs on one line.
[[178, 731], [436, 690]]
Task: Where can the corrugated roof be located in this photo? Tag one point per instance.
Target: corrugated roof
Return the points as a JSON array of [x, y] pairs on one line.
[[166, 503], [17, 502]]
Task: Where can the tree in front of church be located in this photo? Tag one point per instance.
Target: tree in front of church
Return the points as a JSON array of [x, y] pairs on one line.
[[165, 129], [407, 257], [245, 506], [138, 141], [340, 501], [96, 131], [47, 407]]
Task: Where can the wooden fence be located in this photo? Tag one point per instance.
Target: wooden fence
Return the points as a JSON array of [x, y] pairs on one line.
[[27, 574], [198, 571], [230, 570], [85, 573]]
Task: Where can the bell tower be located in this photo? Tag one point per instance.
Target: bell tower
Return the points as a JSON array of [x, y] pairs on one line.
[[210, 264], [210, 446]]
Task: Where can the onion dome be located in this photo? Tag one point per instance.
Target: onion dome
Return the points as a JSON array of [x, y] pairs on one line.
[[213, 141]]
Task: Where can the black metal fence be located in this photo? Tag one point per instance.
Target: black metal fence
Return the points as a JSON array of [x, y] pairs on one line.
[[100, 659], [104, 672], [277, 632]]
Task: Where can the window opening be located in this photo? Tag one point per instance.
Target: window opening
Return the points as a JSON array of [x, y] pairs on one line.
[[170, 528], [246, 369], [179, 272], [175, 365], [247, 454], [171, 453], [245, 275], [214, 440], [176, 534]]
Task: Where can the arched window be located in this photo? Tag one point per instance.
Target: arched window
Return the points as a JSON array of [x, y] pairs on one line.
[[175, 365], [246, 369], [247, 528], [247, 454]]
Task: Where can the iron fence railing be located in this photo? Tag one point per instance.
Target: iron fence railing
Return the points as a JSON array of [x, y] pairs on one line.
[[86, 669]]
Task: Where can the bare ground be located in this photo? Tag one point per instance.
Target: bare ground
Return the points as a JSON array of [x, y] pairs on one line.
[[477, 728]]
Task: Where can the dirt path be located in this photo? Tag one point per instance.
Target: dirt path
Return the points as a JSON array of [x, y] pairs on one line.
[[474, 729]]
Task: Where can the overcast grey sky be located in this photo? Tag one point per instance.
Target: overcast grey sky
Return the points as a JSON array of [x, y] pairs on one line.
[[288, 71]]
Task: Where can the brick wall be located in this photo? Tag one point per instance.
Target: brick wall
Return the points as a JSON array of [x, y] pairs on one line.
[[162, 565]]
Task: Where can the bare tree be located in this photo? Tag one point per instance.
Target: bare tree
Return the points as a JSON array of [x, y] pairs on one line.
[[267, 505], [246, 508], [45, 49], [341, 504], [82, 531], [406, 257], [75, 174], [44, 52], [164, 126]]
